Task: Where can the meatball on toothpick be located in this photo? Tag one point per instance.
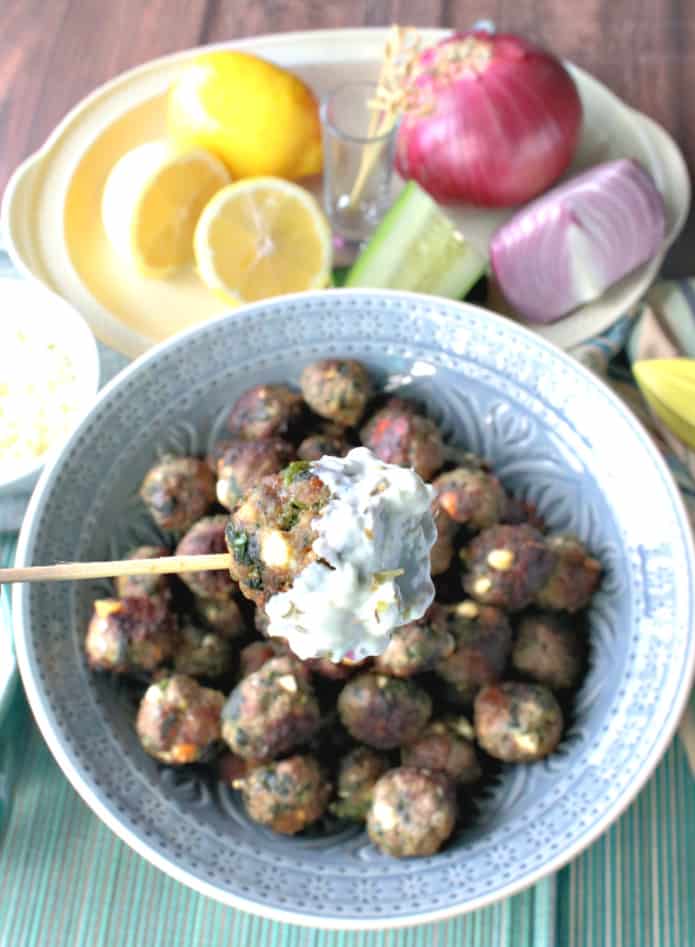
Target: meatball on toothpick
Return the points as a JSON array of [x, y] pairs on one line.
[[337, 552]]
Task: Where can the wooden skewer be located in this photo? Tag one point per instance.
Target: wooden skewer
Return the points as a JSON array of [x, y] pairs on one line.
[[164, 565]]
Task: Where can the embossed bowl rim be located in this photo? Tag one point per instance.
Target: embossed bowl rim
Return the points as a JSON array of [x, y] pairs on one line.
[[32, 684]]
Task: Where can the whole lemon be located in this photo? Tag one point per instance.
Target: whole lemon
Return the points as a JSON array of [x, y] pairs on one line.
[[258, 118]]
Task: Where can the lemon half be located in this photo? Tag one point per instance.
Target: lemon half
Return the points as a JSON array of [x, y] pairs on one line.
[[152, 200], [262, 237]]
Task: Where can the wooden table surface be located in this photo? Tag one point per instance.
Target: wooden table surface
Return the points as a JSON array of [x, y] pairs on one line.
[[53, 52]]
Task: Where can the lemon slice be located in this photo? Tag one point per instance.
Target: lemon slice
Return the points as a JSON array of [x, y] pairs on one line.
[[152, 200], [262, 237]]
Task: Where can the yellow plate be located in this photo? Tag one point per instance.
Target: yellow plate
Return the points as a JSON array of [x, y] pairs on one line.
[[50, 210]]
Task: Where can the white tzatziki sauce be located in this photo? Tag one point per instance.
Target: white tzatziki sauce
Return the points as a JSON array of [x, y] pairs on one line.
[[373, 543]]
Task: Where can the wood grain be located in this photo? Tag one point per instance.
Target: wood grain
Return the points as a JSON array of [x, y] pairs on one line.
[[54, 52]]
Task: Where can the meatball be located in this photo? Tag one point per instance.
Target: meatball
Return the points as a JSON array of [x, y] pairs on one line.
[[417, 646], [517, 723], [507, 565], [243, 464], [130, 634], [178, 491], [574, 576], [288, 795], [399, 435], [202, 653], [383, 712], [442, 551], [329, 441], [255, 655], [263, 411], [130, 586], [357, 775], [483, 639], [413, 812], [334, 670], [519, 511], [178, 720], [471, 496], [270, 711], [549, 650], [261, 622], [232, 769], [446, 745], [206, 538], [270, 535], [337, 389], [223, 616]]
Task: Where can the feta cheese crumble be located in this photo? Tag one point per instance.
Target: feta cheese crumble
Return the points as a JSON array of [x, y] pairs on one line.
[[39, 395]]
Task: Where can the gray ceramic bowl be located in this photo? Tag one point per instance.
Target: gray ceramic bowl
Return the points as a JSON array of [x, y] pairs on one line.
[[552, 431]]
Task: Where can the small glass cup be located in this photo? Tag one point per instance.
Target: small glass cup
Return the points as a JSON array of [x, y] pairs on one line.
[[358, 151]]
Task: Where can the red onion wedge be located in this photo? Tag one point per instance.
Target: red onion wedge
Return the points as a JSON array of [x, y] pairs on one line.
[[568, 246]]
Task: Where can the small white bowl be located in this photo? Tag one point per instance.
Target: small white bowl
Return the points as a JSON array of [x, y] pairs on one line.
[[35, 307]]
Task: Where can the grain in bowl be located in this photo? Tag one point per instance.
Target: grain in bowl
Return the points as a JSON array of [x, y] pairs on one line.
[[49, 371]]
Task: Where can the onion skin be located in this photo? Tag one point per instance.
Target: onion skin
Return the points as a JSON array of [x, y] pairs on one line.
[[567, 247], [495, 127]]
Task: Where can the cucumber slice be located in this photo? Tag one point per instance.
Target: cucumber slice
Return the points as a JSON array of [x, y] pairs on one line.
[[416, 247]]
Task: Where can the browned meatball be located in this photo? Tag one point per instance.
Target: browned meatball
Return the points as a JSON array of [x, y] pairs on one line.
[[446, 745], [383, 712], [270, 711], [417, 646], [255, 655], [223, 616], [517, 723], [337, 389], [399, 435], [288, 795], [263, 411], [574, 577], [442, 551], [471, 496], [261, 622], [358, 773], [243, 464], [202, 653], [130, 586], [270, 534], [178, 491], [130, 634], [233, 769], [483, 639], [549, 650], [335, 671], [329, 441], [507, 565], [413, 812], [178, 720], [205, 538], [520, 511]]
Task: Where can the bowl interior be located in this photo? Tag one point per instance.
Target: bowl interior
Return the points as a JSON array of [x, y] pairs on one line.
[[497, 390]]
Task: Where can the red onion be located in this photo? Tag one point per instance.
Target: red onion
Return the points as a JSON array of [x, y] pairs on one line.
[[567, 247], [489, 119]]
